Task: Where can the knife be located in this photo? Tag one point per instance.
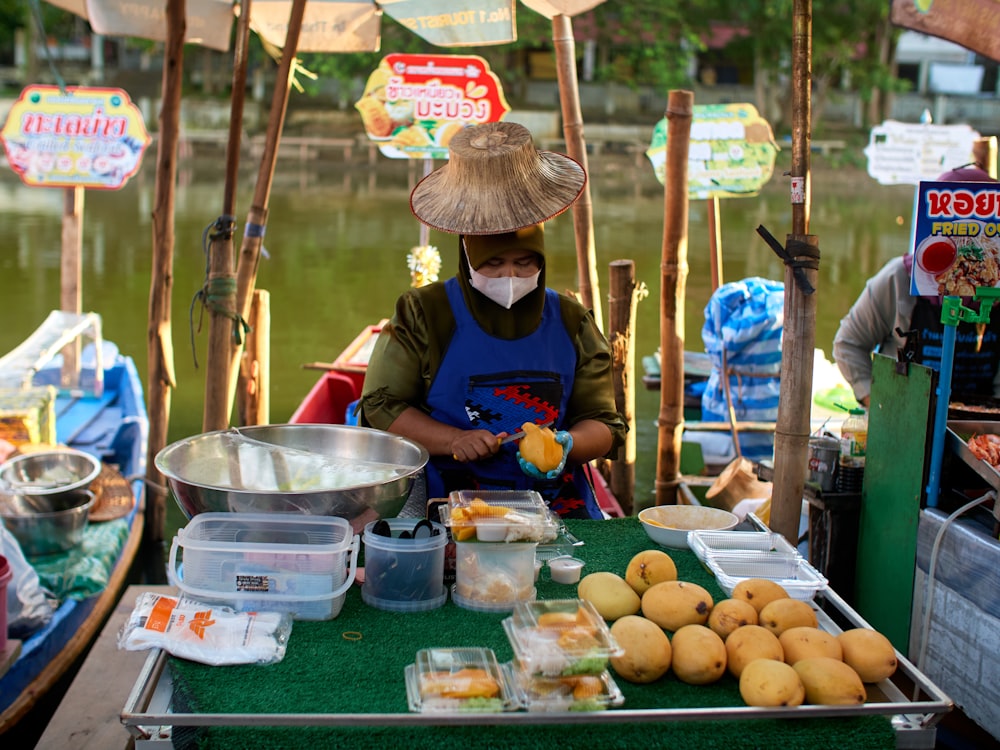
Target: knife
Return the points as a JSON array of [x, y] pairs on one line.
[[520, 433]]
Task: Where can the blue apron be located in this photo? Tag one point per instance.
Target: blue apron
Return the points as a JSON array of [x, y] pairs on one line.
[[496, 384]]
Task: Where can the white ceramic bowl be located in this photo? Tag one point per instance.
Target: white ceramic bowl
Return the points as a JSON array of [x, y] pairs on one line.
[[668, 525]]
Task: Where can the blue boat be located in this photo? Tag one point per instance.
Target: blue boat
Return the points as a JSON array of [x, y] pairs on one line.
[[104, 415]]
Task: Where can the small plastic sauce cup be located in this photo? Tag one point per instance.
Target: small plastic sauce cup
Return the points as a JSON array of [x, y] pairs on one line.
[[565, 569]]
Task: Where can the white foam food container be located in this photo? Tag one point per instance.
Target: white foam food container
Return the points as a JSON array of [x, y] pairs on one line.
[[270, 562], [458, 679], [800, 579], [499, 516], [560, 637]]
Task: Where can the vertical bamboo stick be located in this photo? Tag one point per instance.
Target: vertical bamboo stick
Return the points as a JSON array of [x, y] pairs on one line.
[[791, 434], [253, 398], [622, 303], [159, 346], [673, 287], [583, 216]]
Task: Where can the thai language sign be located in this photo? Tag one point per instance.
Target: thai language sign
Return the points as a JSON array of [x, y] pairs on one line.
[[80, 137], [413, 104], [731, 153], [956, 238], [901, 153]]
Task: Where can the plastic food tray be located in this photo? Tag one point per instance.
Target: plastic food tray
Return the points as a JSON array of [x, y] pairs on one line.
[[709, 543], [800, 579], [439, 679], [541, 694], [546, 647], [468, 521]]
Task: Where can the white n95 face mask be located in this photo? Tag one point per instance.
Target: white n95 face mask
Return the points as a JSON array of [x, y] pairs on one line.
[[504, 290]]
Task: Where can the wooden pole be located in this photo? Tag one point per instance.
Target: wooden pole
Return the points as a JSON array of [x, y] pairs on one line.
[[622, 303], [673, 287], [71, 275], [253, 399], [159, 346], [576, 148], [984, 152], [253, 236], [225, 324], [715, 243], [791, 434]]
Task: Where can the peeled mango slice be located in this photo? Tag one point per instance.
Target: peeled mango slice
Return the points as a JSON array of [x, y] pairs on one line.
[[539, 446]]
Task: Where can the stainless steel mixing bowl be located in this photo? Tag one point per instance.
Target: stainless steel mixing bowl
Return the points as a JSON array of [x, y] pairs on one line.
[[259, 469], [46, 533], [43, 477]]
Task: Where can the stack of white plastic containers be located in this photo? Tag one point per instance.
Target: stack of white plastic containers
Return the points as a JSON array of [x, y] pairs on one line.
[[733, 556]]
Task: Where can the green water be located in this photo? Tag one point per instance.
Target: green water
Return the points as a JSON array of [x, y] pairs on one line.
[[337, 239]]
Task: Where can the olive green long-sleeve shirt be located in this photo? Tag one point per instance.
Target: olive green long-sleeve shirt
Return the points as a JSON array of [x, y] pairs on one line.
[[412, 345]]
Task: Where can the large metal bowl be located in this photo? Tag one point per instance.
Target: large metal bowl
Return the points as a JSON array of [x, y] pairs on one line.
[[47, 533], [223, 470]]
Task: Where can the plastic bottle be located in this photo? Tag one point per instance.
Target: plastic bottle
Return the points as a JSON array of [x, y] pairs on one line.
[[853, 444]]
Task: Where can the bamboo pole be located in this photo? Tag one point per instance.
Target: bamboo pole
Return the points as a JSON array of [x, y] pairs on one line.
[[71, 275], [220, 295], [622, 302], [159, 347], [791, 434], [673, 286], [253, 400], [715, 242], [984, 152], [576, 148], [253, 236]]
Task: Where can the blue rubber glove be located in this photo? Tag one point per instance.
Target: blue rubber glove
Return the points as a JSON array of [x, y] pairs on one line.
[[566, 441]]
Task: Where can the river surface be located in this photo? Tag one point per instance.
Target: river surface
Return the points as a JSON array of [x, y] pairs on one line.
[[337, 239]]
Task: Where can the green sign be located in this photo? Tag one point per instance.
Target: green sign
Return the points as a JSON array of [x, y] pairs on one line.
[[731, 153]]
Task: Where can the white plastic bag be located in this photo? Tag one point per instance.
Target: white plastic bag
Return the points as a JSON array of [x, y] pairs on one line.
[[205, 633], [29, 606]]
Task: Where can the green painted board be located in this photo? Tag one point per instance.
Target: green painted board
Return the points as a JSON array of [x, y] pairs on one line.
[[899, 439]]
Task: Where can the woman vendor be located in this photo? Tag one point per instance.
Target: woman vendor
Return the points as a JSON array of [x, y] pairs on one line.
[[466, 362]]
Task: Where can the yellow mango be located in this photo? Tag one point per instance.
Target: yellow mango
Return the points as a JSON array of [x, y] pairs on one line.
[[539, 446]]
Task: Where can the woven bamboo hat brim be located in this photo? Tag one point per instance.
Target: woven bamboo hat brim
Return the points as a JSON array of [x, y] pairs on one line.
[[496, 181]]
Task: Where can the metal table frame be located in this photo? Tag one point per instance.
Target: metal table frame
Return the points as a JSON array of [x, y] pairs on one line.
[[149, 717]]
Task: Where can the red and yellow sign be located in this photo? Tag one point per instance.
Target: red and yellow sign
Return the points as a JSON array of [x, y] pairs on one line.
[[77, 137], [414, 104]]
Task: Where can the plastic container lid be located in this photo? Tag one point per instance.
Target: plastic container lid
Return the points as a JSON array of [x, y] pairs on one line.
[[499, 515], [558, 637], [458, 679]]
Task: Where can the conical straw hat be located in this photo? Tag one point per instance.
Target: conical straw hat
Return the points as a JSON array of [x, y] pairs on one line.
[[496, 181]]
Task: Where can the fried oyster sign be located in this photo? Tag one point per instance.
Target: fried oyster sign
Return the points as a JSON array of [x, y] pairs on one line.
[[413, 105], [956, 238]]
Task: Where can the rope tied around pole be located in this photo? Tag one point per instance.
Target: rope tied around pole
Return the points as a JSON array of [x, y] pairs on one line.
[[792, 256], [215, 291]]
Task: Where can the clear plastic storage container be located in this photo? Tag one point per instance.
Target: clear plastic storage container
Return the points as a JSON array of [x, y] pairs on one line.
[[272, 562], [499, 516]]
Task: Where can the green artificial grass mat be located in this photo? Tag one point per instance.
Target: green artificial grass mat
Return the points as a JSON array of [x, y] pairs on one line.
[[325, 673]]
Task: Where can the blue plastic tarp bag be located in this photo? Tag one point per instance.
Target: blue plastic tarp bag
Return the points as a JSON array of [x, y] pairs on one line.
[[744, 319]]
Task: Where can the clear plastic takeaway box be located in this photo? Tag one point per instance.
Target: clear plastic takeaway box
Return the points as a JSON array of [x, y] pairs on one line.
[[458, 679], [559, 638], [800, 579], [706, 544], [499, 516], [581, 692], [269, 562]]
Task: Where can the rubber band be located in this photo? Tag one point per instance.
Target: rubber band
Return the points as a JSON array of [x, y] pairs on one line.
[[352, 635]]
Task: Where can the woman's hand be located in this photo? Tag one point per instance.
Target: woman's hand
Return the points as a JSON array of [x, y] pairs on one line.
[[474, 445]]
